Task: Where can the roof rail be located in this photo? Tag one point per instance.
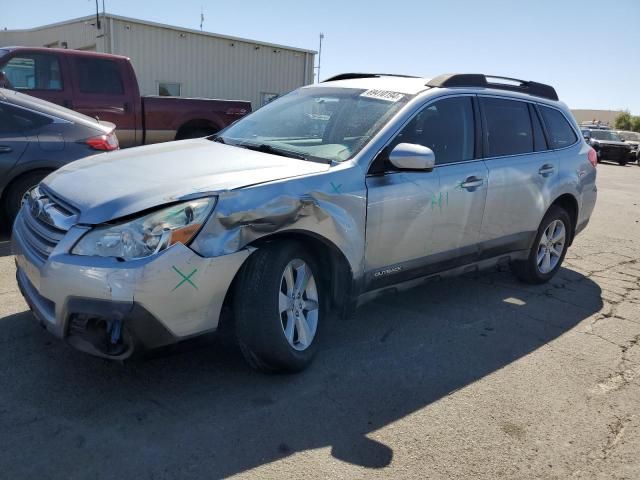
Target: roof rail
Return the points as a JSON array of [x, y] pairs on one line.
[[349, 76], [480, 80]]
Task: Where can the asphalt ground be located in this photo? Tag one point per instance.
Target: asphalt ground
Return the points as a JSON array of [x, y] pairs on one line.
[[475, 377]]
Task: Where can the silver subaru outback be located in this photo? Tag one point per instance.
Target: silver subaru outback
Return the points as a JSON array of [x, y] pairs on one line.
[[313, 204]]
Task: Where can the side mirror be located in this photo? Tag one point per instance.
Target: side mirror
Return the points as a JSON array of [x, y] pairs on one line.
[[4, 81], [410, 156]]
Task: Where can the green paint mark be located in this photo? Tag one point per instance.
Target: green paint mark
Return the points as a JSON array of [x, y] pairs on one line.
[[185, 278], [439, 200], [336, 188]]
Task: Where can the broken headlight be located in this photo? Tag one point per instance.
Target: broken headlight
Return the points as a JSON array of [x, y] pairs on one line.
[[148, 234]]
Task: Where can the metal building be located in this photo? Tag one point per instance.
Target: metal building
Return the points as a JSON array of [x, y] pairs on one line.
[[178, 61]]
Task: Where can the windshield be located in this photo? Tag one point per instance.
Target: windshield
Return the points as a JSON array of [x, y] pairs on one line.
[[330, 124], [633, 136], [605, 135]]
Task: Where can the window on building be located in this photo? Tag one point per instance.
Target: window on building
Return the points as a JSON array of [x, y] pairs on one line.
[[508, 127], [33, 72], [167, 89], [267, 97], [98, 75], [560, 132]]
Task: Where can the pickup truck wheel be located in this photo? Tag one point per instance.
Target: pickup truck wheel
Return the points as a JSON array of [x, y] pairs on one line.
[[278, 308], [15, 193], [195, 133], [549, 248]]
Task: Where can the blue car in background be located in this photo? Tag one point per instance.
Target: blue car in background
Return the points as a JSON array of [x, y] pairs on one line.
[[38, 137]]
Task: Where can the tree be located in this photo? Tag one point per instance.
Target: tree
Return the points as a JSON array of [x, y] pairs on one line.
[[635, 124], [623, 120]]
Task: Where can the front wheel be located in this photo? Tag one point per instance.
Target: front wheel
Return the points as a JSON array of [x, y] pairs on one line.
[[549, 248], [278, 308]]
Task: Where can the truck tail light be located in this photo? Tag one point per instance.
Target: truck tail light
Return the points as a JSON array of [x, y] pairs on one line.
[[593, 157], [106, 142]]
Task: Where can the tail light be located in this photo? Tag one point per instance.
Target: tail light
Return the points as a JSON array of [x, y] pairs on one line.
[[238, 112], [593, 157], [106, 142]]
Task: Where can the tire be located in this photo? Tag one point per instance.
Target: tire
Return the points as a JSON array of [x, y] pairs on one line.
[[622, 163], [196, 133], [270, 335], [15, 193], [531, 270]]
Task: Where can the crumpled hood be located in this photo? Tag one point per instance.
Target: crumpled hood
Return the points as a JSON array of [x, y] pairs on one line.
[[112, 185]]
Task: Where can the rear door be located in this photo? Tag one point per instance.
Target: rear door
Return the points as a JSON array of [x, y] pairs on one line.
[[12, 141], [99, 91], [521, 169], [43, 75]]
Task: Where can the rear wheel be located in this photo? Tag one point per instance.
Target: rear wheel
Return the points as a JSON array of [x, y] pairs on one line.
[[549, 248], [278, 308], [195, 133], [622, 163], [16, 191]]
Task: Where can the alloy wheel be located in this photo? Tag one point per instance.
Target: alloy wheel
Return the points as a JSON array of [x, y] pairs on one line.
[[298, 304], [551, 246]]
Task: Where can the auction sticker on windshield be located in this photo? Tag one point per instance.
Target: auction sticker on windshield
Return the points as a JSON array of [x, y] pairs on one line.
[[383, 95]]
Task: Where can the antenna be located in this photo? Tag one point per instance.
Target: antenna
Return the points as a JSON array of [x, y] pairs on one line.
[[201, 17]]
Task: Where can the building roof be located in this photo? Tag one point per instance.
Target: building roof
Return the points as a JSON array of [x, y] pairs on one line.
[[162, 25]]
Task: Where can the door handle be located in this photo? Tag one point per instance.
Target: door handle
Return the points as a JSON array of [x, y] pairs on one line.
[[5, 149], [546, 169], [472, 182]]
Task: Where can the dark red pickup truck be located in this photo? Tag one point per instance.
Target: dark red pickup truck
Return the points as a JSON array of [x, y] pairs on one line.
[[105, 86]]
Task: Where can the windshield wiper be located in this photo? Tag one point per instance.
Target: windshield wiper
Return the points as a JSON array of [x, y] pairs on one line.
[[217, 138], [266, 148]]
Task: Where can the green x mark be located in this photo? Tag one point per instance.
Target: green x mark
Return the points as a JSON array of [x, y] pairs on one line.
[[336, 188], [185, 278]]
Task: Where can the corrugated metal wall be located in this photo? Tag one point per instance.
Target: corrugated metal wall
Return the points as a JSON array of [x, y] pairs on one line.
[[204, 65], [81, 35], [208, 66]]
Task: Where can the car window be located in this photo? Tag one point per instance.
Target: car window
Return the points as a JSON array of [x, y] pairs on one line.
[[560, 132], [539, 140], [14, 119], [317, 123], [446, 127], [605, 135], [508, 127], [98, 75], [33, 72]]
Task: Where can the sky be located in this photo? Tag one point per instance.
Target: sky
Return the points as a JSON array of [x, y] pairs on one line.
[[589, 50]]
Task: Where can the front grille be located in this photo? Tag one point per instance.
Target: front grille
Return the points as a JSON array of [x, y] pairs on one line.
[[614, 153], [43, 222]]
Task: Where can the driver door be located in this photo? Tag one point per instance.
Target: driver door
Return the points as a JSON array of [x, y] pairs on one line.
[[422, 222]]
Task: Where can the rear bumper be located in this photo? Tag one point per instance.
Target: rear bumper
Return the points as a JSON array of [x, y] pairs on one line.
[[142, 303]]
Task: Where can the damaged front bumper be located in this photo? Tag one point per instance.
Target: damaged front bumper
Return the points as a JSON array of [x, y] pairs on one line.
[[111, 308]]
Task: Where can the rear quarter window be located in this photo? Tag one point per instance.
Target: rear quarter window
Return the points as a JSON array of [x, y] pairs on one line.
[[558, 128], [15, 119]]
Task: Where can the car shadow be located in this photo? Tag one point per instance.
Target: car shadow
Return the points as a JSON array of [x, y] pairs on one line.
[[198, 411]]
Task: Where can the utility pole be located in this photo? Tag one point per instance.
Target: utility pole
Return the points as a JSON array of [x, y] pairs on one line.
[[319, 58], [98, 15]]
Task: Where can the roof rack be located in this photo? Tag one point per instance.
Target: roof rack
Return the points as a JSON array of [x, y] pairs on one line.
[[349, 76], [480, 80]]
